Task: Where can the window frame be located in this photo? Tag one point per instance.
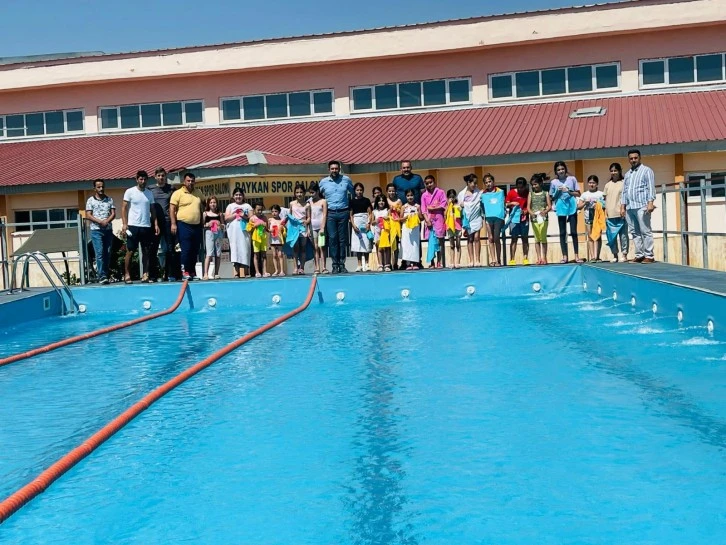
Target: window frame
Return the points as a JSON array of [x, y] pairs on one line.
[[706, 178], [141, 127], [265, 118], [593, 74], [45, 134], [30, 226], [423, 105], [666, 73]]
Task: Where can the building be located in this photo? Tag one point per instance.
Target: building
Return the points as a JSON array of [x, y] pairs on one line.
[[506, 94]]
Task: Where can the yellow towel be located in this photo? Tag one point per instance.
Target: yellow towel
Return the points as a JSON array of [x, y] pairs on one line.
[[413, 221], [598, 222]]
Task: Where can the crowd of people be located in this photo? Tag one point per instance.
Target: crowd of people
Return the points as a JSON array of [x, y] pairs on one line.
[[333, 216]]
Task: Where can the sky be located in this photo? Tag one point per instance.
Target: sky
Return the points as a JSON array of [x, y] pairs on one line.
[[35, 27]]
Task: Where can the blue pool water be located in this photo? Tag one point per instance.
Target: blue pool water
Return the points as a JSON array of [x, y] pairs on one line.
[[548, 419]]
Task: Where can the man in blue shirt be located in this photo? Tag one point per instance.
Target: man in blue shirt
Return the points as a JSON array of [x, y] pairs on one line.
[[408, 180], [637, 205], [337, 190]]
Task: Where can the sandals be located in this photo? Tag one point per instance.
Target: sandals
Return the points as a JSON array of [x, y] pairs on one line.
[[380, 268], [563, 260], [128, 280], [325, 271], [145, 279], [387, 268], [579, 260]]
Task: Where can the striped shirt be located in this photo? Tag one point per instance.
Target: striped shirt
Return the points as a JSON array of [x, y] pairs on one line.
[[638, 187]]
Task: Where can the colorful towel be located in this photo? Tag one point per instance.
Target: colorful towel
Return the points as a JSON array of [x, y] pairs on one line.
[[433, 246], [613, 227], [515, 216], [598, 221]]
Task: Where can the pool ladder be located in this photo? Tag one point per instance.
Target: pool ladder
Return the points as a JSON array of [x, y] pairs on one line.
[[68, 302]]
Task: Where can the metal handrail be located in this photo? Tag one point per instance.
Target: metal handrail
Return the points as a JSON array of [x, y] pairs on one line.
[[67, 308]]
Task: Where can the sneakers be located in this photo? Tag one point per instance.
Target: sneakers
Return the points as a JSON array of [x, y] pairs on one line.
[[525, 262], [512, 262], [613, 260], [186, 276], [103, 280]]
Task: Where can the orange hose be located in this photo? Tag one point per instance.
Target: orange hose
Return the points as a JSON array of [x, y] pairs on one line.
[[109, 329], [23, 495]]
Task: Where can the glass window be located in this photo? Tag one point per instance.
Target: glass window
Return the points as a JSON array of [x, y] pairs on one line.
[[22, 216], [193, 112], [254, 107], [171, 114], [54, 123], [718, 185], [39, 216], [57, 214], [231, 109], [299, 104], [501, 86], [459, 90], [130, 117], [74, 120], [709, 68], [34, 124], [653, 72], [606, 77], [2, 126], [527, 84], [323, 102], [409, 94], [386, 98], [109, 118], [680, 70], [363, 99], [579, 79], [151, 115], [434, 92], [276, 106], [15, 125], [553, 81]]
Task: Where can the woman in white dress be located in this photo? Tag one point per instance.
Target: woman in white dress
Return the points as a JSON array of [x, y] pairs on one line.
[[470, 201], [236, 216], [411, 232]]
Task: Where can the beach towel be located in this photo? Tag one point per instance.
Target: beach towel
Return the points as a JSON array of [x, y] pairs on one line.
[[613, 227], [598, 221], [294, 228], [433, 246], [515, 216]]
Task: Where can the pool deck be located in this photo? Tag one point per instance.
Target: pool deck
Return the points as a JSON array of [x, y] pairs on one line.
[[713, 282], [18, 295]]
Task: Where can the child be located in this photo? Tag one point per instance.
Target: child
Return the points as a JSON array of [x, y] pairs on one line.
[[433, 207], [318, 217], [453, 227], [588, 202], [376, 191], [564, 192], [382, 226], [276, 227], [300, 210], [236, 217], [470, 200], [361, 211], [411, 232], [616, 228], [516, 201], [539, 205], [258, 224], [395, 207], [213, 233], [492, 200]]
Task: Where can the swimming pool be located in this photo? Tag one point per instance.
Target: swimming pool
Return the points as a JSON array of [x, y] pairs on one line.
[[419, 410]]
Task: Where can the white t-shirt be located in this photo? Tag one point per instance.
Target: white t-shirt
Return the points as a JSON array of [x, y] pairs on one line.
[[140, 203], [591, 197]]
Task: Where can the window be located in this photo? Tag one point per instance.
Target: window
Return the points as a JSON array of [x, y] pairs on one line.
[[555, 81], [41, 123], [715, 183], [277, 106], [160, 114], [686, 70], [411, 94], [53, 218]]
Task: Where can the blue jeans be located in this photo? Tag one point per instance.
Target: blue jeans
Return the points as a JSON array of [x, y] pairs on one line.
[[338, 226], [102, 240], [190, 239]]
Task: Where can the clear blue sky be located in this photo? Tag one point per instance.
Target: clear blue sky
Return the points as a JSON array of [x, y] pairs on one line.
[[32, 27]]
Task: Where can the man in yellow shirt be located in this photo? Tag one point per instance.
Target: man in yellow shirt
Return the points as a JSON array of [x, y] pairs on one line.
[[186, 208]]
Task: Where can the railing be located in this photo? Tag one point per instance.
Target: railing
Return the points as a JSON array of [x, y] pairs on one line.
[[7, 252], [63, 291]]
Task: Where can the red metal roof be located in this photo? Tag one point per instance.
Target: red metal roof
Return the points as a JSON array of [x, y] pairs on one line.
[[643, 120]]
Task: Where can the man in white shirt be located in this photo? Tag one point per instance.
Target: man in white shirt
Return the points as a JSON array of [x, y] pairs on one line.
[[139, 225]]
